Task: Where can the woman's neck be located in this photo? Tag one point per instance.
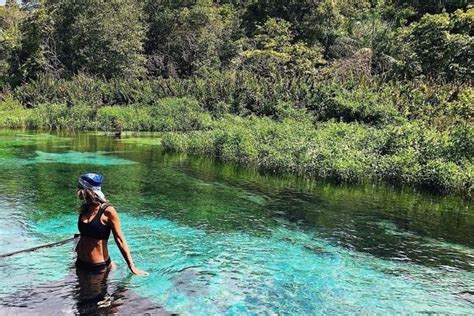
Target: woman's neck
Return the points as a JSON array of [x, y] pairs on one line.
[[90, 208]]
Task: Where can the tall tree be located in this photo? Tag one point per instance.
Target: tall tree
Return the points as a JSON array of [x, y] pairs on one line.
[[439, 47], [104, 38], [65, 37], [30, 56], [10, 38], [272, 52], [189, 39], [421, 7]]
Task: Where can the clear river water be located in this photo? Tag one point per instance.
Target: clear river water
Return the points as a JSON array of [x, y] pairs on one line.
[[222, 240]]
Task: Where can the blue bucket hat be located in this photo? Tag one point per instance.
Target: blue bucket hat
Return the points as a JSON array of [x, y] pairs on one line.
[[93, 182]]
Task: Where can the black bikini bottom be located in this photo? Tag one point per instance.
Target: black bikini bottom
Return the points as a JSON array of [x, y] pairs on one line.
[[93, 266]]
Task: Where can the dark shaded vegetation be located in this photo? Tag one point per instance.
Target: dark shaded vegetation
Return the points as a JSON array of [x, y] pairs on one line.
[[345, 90]]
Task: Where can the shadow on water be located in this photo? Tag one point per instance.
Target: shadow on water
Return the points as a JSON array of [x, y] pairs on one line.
[[386, 222], [81, 293]]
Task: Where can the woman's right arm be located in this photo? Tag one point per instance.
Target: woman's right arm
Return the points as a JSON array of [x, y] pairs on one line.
[[114, 222]]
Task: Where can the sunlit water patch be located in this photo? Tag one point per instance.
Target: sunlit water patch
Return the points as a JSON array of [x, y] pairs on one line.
[[287, 270], [69, 157], [74, 157], [196, 272]]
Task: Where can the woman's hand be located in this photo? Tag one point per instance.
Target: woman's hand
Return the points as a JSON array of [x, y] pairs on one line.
[[137, 271]]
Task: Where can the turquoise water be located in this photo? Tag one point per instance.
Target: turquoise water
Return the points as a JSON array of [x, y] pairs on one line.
[[217, 239]]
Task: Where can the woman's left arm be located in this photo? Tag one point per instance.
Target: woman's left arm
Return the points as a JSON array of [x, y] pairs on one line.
[[114, 223]]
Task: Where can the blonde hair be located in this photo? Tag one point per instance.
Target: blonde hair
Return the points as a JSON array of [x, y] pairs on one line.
[[88, 198]]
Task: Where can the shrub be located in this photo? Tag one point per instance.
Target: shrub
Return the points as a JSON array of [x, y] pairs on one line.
[[12, 114], [445, 177], [132, 118], [350, 104], [179, 114], [409, 154], [46, 89], [60, 117], [169, 114]]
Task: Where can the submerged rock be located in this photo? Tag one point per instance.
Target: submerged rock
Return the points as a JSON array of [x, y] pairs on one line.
[[62, 298], [467, 296]]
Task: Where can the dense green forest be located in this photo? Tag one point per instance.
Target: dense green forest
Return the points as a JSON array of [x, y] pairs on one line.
[[343, 90]]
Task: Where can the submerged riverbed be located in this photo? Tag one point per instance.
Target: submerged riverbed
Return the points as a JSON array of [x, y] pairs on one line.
[[218, 239]]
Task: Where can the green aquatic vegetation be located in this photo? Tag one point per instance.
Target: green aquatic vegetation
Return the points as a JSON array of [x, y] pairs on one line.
[[6, 153], [294, 140], [392, 202], [19, 139], [142, 141], [12, 142], [410, 154]]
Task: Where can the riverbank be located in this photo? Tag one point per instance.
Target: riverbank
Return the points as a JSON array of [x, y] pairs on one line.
[[292, 141], [406, 154], [336, 91]]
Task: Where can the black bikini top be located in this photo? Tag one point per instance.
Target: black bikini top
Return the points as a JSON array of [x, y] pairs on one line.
[[95, 228]]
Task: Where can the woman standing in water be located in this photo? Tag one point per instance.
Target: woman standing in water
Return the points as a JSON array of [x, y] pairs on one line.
[[96, 219]]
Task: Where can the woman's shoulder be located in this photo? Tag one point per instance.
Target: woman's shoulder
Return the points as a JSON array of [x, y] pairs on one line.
[[108, 209]]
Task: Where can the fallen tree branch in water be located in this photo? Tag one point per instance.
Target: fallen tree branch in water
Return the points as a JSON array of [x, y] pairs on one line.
[[58, 243]]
